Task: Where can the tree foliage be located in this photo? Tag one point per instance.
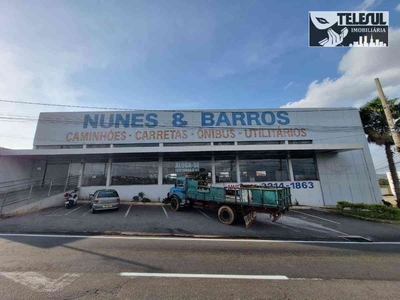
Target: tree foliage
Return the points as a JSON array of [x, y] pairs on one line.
[[374, 121]]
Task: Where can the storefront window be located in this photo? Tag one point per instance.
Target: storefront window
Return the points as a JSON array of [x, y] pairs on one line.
[[135, 172], [254, 169], [95, 174], [304, 169], [74, 169], [199, 168], [225, 169]]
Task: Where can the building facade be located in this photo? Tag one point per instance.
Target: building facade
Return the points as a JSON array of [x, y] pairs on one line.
[[322, 154]]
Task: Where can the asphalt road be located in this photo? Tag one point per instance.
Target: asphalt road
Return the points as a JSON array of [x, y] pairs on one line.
[[298, 224], [78, 267]]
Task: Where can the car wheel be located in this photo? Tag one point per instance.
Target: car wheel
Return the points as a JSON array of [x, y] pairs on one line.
[[93, 211], [175, 204], [226, 215]]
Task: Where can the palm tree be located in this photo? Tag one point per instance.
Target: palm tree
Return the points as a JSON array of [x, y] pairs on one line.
[[378, 132]]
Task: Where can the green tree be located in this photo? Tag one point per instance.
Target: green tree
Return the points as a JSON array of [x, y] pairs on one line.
[[378, 132]]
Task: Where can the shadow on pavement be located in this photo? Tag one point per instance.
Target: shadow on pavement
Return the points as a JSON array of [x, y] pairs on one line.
[[41, 242], [118, 259]]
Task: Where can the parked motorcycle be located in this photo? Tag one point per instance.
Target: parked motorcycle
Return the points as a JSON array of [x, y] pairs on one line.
[[71, 198]]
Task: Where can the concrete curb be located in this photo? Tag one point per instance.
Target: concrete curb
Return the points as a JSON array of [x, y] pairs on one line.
[[300, 207], [159, 235], [144, 204], [132, 203]]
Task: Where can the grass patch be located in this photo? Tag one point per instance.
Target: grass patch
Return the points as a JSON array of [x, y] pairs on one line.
[[373, 211]]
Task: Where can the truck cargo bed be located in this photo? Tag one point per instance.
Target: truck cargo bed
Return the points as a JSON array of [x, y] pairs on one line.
[[250, 196]]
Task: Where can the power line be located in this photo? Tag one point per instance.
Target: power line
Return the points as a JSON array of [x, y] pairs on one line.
[[61, 105], [386, 167], [299, 110]]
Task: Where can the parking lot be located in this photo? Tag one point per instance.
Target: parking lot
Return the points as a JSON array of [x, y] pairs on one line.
[[297, 224]]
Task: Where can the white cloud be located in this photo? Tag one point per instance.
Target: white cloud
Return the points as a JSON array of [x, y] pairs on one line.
[[288, 85], [366, 4], [44, 46], [39, 52], [358, 68], [28, 76], [398, 7]]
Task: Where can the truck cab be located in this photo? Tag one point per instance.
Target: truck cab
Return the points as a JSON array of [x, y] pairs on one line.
[[177, 194]]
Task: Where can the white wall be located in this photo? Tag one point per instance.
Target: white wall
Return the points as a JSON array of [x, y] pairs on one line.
[[347, 176], [304, 192]]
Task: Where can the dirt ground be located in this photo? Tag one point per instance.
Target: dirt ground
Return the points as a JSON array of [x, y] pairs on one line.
[[390, 198]]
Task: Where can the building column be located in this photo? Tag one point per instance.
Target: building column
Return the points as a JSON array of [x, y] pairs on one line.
[[290, 167], [81, 172], [109, 167], [213, 175], [160, 174], [237, 169]]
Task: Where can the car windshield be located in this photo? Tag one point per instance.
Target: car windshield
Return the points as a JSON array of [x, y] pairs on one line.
[[108, 194]]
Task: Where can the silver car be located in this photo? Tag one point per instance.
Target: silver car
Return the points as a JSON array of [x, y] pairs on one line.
[[104, 199]]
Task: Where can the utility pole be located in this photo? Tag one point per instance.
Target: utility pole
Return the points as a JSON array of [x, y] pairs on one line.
[[389, 118], [396, 140]]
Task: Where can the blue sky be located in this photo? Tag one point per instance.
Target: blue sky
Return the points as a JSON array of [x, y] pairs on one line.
[[182, 55], [214, 54]]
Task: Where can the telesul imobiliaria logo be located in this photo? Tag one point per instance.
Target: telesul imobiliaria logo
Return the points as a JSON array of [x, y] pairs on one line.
[[348, 29]]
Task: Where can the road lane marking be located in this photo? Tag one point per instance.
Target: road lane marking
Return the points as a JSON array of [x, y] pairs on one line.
[[127, 212], [203, 213], [86, 212], [192, 239], [53, 211], [325, 230], [279, 225], [74, 210], [223, 276], [298, 212], [39, 282], [165, 212]]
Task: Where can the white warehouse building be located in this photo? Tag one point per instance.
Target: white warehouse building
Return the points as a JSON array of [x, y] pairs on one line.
[[322, 154]]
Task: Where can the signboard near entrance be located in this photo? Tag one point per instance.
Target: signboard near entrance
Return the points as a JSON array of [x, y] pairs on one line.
[[202, 126], [167, 126], [187, 166], [303, 192]]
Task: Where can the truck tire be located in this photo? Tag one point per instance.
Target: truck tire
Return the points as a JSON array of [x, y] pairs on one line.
[[226, 215], [175, 203]]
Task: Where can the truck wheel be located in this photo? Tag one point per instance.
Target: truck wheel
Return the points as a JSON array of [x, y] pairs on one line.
[[226, 215], [175, 204]]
